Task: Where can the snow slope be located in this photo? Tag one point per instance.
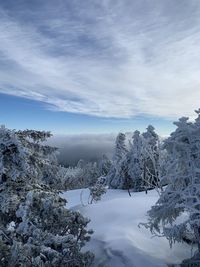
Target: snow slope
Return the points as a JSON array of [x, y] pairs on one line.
[[117, 240]]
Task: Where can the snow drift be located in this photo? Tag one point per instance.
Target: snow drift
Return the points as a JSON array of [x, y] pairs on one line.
[[117, 240]]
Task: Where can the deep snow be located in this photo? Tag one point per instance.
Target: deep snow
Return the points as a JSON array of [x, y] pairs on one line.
[[117, 240]]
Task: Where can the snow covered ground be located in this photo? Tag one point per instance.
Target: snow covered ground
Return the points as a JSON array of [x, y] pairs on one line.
[[117, 240]]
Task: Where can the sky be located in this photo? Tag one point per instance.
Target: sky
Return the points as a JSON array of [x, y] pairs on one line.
[[76, 67]]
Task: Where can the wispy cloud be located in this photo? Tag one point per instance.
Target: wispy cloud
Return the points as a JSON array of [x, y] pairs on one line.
[[104, 58]]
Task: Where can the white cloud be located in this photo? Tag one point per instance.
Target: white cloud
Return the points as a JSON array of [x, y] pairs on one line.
[[115, 59]]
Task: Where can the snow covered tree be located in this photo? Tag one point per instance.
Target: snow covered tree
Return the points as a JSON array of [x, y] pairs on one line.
[[104, 165], [143, 163], [181, 196], [70, 178], [81, 164], [89, 173], [134, 164], [85, 174], [97, 190], [150, 155], [115, 177], [44, 157], [36, 229]]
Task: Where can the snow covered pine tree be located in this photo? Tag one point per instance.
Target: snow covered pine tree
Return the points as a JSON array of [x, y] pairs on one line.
[[150, 155], [141, 165], [97, 190], [182, 194], [104, 165], [115, 177], [35, 227], [133, 164]]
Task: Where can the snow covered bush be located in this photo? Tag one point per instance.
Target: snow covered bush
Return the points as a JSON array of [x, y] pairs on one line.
[[36, 229], [97, 190], [89, 173], [92, 171], [84, 175], [70, 178], [176, 215]]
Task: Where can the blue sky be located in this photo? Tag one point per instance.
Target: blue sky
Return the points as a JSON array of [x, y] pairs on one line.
[[20, 113], [98, 66]]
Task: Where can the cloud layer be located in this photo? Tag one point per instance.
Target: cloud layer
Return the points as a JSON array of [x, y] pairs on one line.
[[107, 58], [89, 147]]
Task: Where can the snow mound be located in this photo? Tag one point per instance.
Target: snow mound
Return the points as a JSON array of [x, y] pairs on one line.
[[117, 240]]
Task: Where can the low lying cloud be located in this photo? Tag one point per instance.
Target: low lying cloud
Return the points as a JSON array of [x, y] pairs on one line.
[[88, 147]]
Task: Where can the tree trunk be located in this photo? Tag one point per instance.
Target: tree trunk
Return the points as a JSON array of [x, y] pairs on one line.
[[129, 192]]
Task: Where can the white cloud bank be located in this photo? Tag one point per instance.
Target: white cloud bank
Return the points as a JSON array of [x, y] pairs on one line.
[[104, 58]]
